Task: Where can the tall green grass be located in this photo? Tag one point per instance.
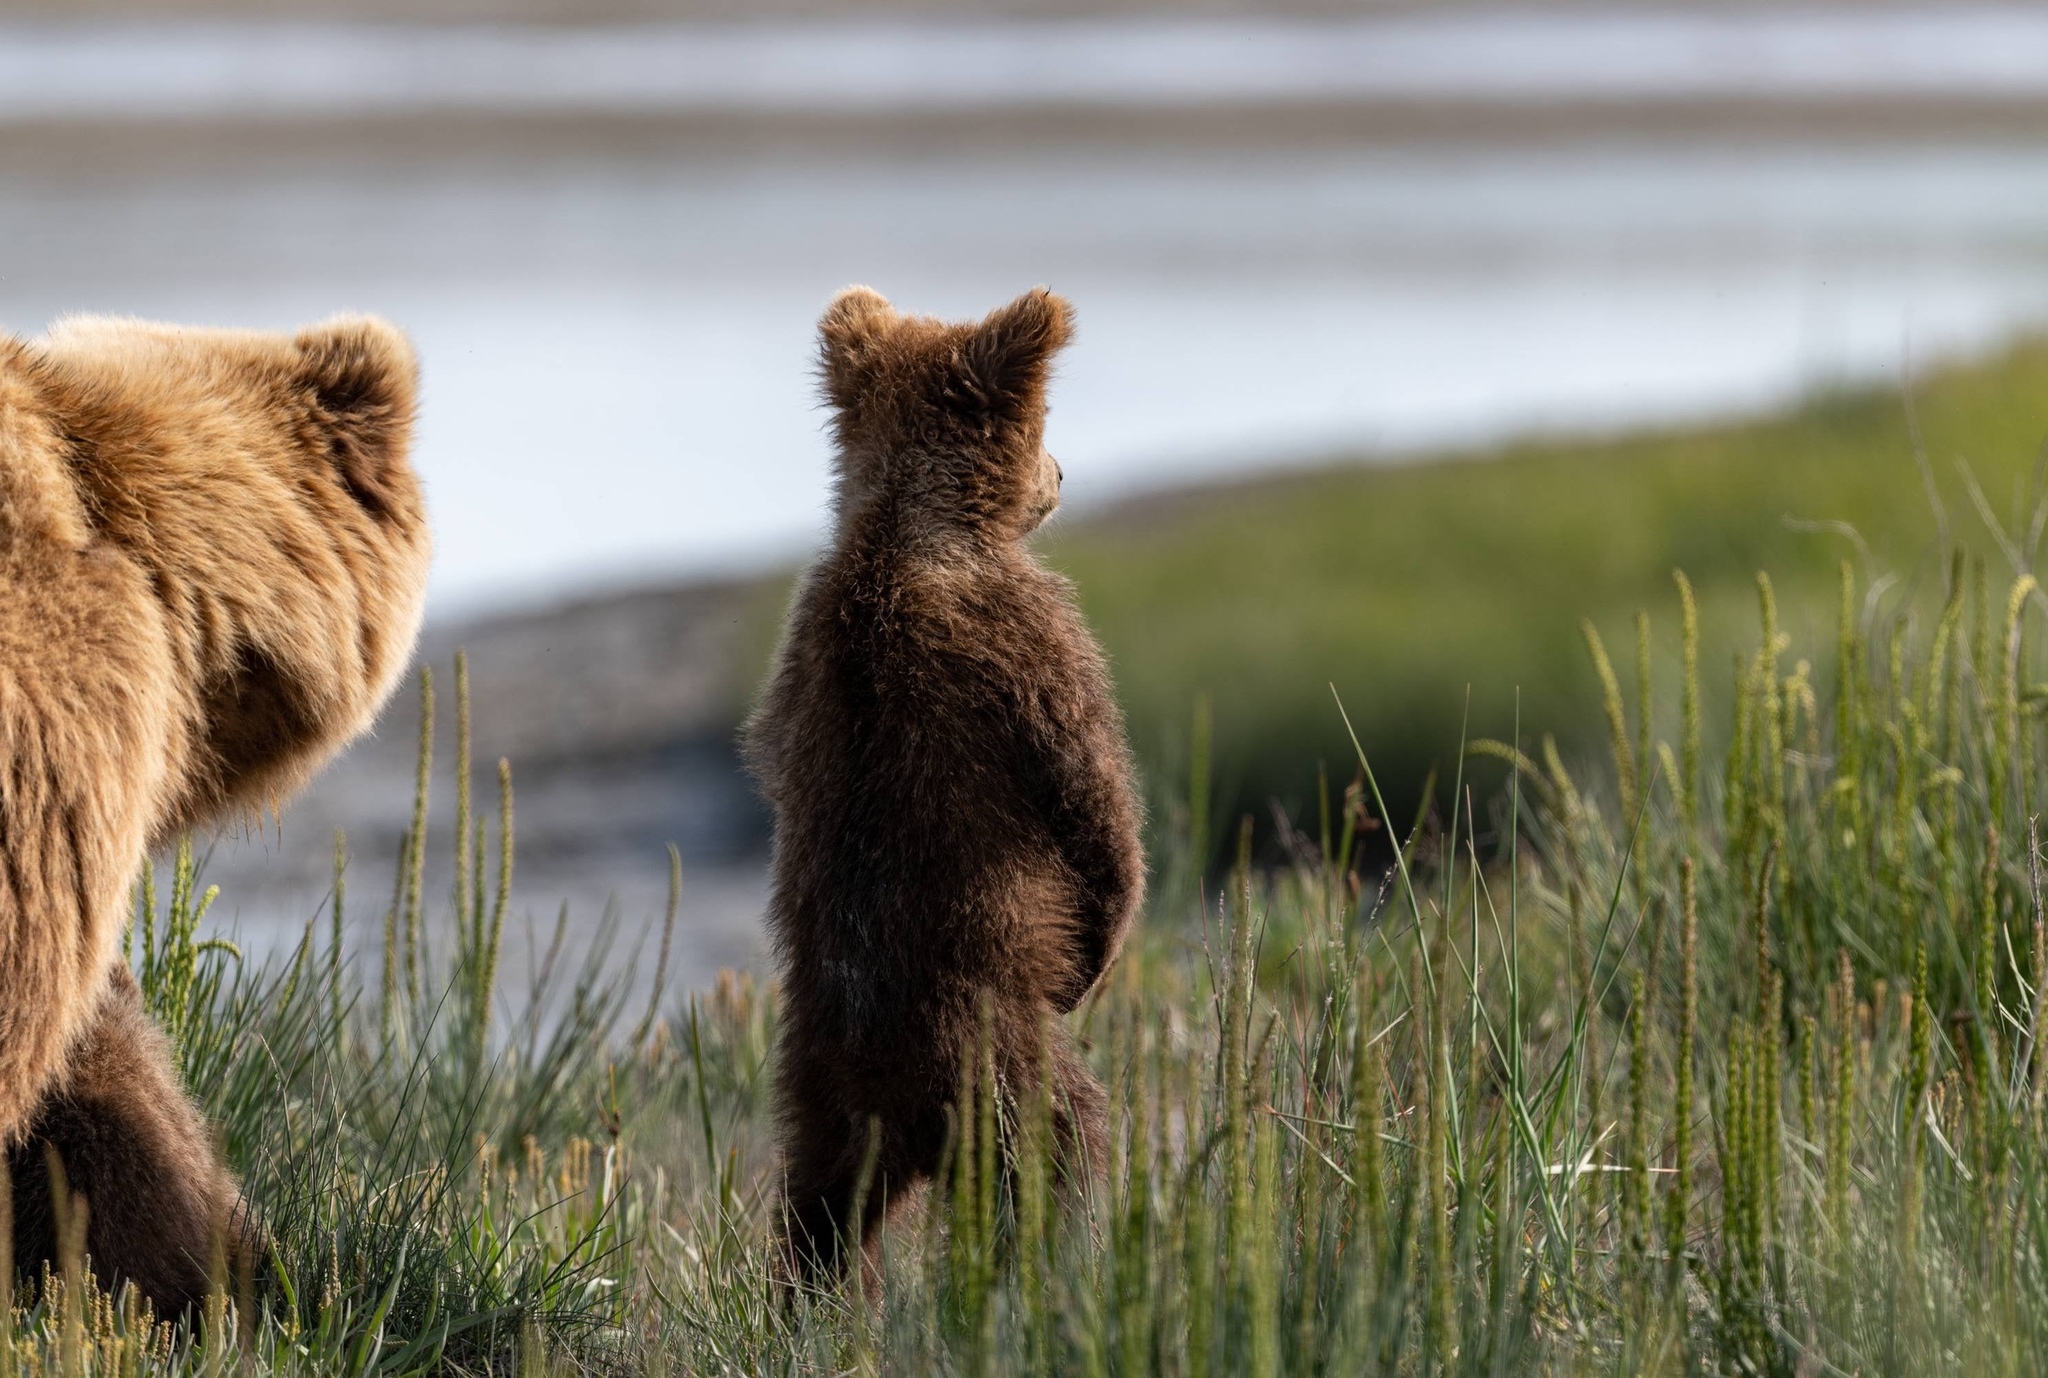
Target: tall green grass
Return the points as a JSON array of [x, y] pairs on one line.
[[1714, 1051], [1440, 592]]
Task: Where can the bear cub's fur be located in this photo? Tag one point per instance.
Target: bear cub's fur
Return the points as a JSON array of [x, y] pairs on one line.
[[955, 821], [213, 557]]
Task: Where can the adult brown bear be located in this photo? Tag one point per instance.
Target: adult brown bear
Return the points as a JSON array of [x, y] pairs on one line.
[[955, 820], [213, 554]]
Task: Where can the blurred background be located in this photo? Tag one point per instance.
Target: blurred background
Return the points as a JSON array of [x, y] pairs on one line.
[[1408, 337]]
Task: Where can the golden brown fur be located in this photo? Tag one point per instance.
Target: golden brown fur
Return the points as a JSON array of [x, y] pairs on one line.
[[955, 820], [212, 558]]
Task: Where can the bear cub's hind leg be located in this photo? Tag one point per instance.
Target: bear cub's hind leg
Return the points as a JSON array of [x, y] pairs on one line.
[[1080, 1115], [160, 1205], [822, 1162], [824, 1184]]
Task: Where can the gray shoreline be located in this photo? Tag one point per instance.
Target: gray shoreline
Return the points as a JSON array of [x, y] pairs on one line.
[[94, 149], [617, 714], [1625, 64]]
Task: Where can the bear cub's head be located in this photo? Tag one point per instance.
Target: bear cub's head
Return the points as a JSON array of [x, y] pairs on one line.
[[262, 484], [941, 425]]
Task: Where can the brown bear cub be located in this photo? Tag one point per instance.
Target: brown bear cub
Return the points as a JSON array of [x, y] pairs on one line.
[[955, 821], [213, 556]]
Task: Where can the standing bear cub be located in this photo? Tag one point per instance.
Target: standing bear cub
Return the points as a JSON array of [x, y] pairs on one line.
[[213, 553], [955, 823]]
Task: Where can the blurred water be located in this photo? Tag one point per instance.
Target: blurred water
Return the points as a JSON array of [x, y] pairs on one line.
[[240, 68], [618, 357], [618, 351]]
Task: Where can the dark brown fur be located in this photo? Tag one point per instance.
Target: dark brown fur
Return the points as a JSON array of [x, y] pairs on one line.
[[137, 1157], [955, 818]]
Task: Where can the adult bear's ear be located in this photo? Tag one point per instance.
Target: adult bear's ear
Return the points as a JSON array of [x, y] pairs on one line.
[[848, 334], [363, 380], [1010, 353]]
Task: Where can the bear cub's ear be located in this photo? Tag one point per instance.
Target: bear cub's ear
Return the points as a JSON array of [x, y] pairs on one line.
[[1011, 351], [363, 379], [847, 335]]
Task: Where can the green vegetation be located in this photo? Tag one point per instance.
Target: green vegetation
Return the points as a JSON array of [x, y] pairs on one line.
[[1723, 1064], [1404, 586], [1721, 1053]]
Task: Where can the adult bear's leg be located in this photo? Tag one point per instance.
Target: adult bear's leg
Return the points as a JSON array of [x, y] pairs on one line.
[[161, 1206], [88, 729]]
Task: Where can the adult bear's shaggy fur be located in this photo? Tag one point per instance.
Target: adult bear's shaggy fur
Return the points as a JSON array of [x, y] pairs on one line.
[[213, 553], [132, 1145], [955, 820]]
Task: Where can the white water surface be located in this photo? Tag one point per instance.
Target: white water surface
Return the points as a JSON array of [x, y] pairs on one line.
[[259, 68], [618, 353]]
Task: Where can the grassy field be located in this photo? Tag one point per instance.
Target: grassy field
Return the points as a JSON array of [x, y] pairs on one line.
[[1405, 586], [1709, 1045], [1721, 1055]]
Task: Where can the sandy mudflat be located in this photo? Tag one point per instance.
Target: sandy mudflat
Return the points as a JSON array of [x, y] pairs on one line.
[[233, 84], [617, 713], [96, 148]]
